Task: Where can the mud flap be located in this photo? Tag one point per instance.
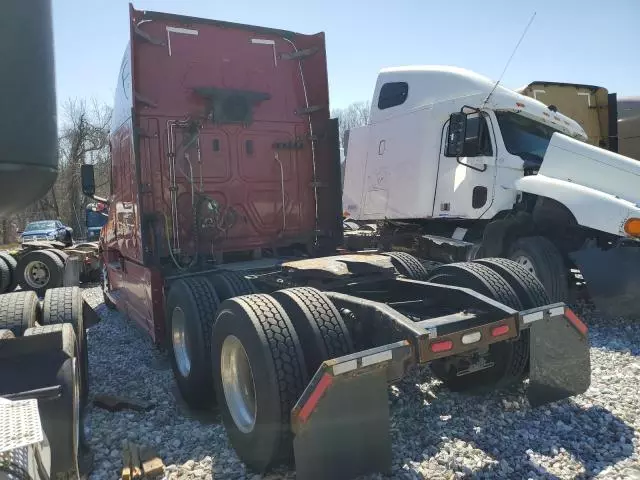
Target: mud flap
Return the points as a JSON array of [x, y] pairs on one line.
[[613, 278], [348, 434], [560, 364]]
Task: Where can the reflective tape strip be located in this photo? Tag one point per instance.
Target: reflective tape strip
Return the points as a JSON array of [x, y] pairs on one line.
[[533, 317], [554, 312], [345, 367], [263, 41], [376, 358], [185, 31]]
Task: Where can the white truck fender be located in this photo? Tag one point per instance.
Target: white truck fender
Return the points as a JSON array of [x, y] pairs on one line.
[[591, 208]]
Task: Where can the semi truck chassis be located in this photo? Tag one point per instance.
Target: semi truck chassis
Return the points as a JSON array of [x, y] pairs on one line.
[[300, 370]]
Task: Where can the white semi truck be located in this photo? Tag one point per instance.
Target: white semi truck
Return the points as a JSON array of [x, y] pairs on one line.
[[458, 167]]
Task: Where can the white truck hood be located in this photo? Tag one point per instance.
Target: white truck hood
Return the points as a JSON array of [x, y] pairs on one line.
[[583, 164]]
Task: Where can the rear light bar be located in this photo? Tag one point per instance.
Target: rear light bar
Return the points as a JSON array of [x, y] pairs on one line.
[[444, 345], [500, 330], [471, 338], [441, 346]]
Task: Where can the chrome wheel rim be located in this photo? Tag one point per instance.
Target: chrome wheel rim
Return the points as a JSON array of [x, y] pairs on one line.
[[180, 340], [526, 263], [238, 384], [36, 274]]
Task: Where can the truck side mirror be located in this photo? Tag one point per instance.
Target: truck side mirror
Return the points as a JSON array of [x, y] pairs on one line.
[[88, 180], [456, 135]]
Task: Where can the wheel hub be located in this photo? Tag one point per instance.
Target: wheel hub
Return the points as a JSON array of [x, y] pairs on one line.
[[526, 263], [238, 384], [180, 340], [37, 274]]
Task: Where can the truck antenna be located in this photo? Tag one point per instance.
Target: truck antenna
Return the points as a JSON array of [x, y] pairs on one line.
[[509, 61]]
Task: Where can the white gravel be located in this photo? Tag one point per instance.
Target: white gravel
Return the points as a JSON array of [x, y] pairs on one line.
[[436, 434]]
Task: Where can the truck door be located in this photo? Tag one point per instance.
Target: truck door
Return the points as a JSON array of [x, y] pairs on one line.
[[377, 174], [466, 185]]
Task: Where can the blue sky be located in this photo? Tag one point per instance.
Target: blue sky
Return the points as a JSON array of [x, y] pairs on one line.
[[569, 40]]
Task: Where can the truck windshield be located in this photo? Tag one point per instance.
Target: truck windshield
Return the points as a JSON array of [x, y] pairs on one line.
[[96, 219], [525, 137]]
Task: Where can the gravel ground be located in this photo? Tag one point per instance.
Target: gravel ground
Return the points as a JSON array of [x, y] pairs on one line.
[[436, 434]]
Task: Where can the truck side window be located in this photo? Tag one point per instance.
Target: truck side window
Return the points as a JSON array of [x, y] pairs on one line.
[[474, 128], [392, 94]]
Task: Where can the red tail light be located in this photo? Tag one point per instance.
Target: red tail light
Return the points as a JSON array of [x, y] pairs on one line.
[[500, 330], [441, 346]]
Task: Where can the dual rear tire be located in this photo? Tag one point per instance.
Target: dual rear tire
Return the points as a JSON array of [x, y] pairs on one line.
[[252, 354], [512, 285], [34, 366]]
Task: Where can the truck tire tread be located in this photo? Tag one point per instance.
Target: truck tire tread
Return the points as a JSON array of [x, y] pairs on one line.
[[19, 311], [408, 265], [286, 352], [63, 256], [5, 276], [228, 284], [13, 265], [493, 284], [64, 306], [69, 343], [198, 299], [277, 361], [529, 289], [320, 327], [551, 269]]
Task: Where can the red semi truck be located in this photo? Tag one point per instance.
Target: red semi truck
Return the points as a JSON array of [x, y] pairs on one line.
[[223, 243]]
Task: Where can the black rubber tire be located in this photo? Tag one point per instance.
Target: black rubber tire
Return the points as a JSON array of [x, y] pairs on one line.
[[13, 265], [61, 416], [526, 285], [64, 305], [69, 340], [511, 358], [5, 276], [479, 278], [19, 311], [58, 419], [6, 334], [198, 301], [548, 263], [53, 264], [408, 265], [228, 284], [320, 327], [279, 372], [64, 256]]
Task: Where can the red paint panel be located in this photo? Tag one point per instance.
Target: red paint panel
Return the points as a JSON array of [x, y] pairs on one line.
[[234, 164]]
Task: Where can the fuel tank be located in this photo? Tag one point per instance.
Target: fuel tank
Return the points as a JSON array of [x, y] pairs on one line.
[[28, 123]]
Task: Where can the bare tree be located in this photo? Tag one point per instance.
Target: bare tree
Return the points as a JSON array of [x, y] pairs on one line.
[[355, 115], [84, 138]]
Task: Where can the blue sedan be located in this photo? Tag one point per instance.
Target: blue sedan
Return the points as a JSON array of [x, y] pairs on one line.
[[47, 230]]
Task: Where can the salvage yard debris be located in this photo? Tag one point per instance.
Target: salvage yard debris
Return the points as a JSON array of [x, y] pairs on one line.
[[115, 403], [140, 462]]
